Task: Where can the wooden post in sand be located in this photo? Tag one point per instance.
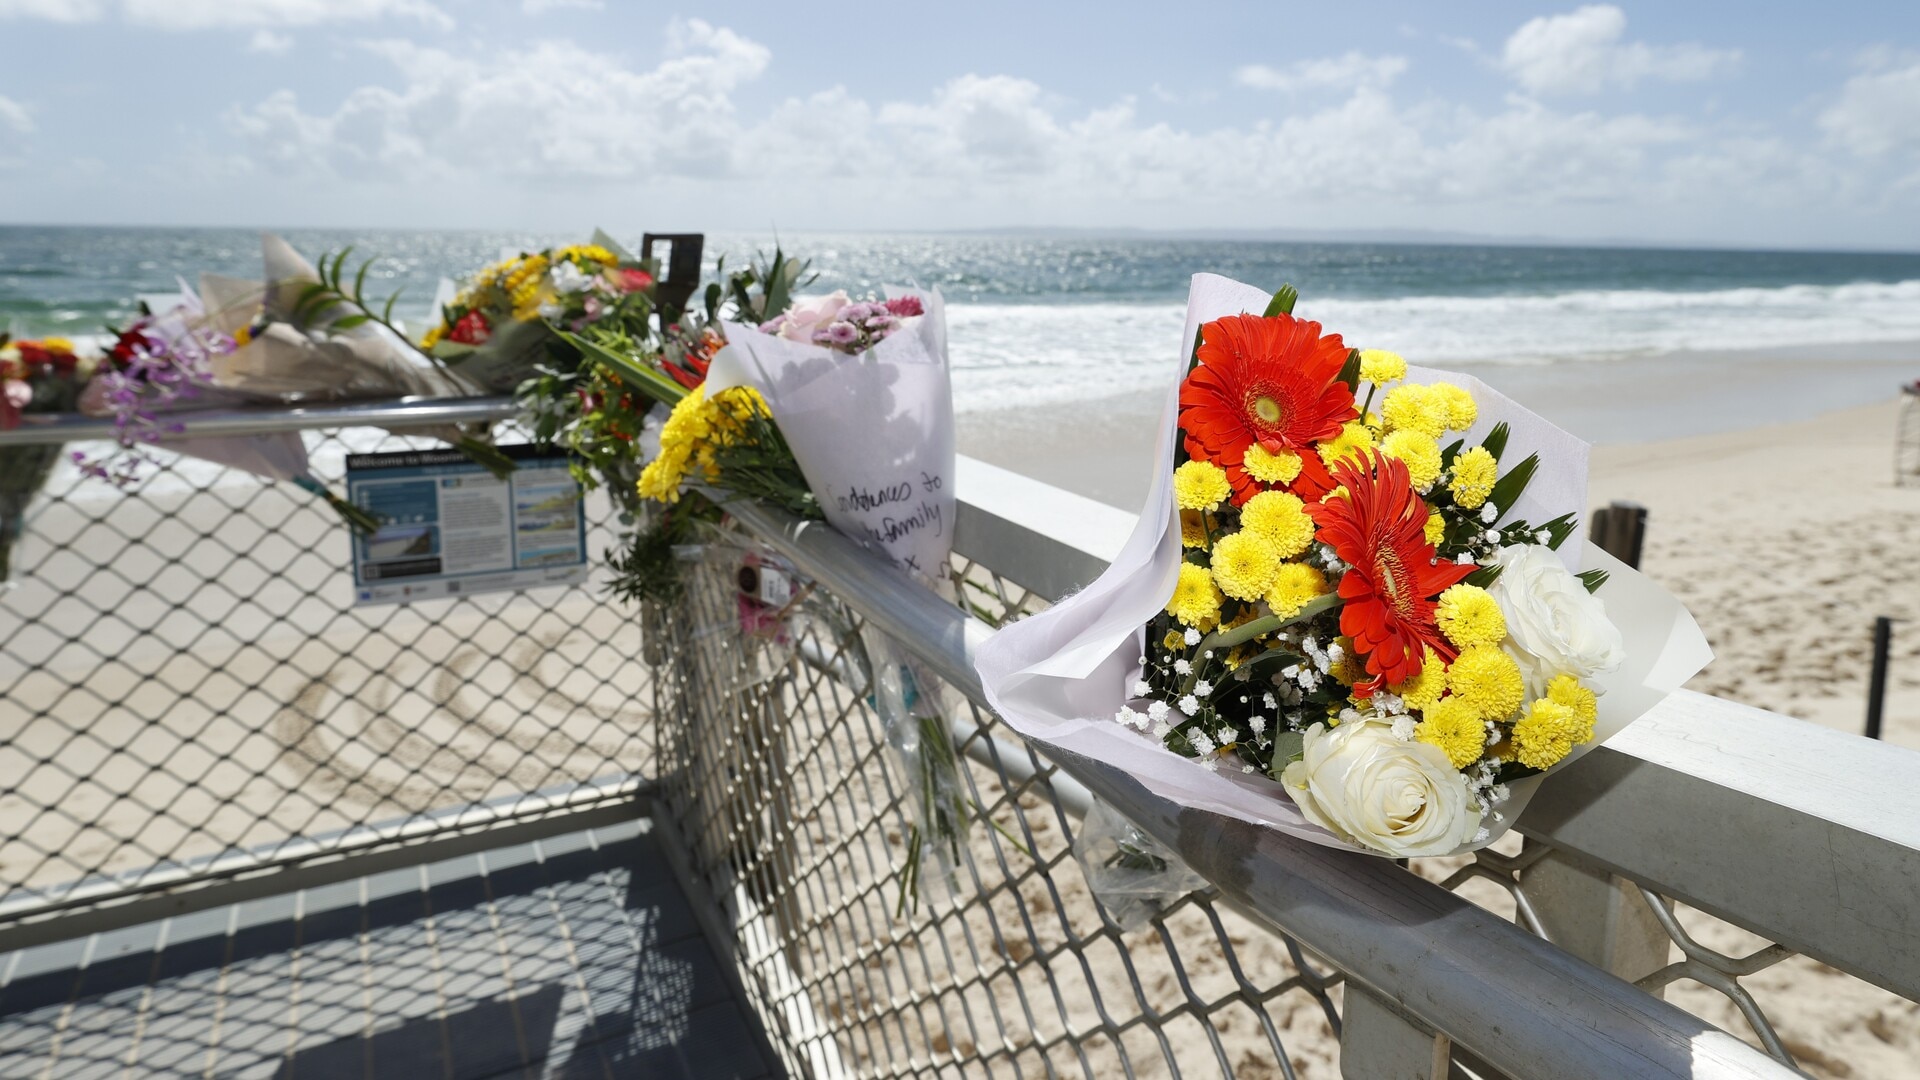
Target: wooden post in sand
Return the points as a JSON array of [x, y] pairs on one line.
[[1619, 530], [1877, 682]]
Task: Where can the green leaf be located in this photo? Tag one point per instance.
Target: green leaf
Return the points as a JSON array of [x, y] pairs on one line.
[[1508, 488], [1288, 747], [1283, 301], [386, 313], [1485, 576], [1496, 440], [307, 297], [360, 279], [339, 263], [1593, 579], [640, 376], [1558, 530], [1350, 371], [1451, 452], [351, 321]]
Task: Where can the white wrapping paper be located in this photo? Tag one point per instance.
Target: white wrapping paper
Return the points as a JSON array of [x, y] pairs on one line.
[[1060, 676], [872, 433]]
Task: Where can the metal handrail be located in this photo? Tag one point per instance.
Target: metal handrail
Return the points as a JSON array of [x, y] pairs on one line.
[[1518, 1002], [268, 419]]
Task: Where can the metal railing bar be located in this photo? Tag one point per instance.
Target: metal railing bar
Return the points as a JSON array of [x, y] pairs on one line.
[[268, 419], [32, 917], [1520, 1003]]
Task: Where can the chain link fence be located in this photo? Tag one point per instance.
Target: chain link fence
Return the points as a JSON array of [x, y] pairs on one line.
[[189, 692]]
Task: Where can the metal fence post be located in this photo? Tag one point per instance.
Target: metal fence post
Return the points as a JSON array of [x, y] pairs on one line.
[[1378, 1042], [1620, 529], [1877, 682], [1596, 916]]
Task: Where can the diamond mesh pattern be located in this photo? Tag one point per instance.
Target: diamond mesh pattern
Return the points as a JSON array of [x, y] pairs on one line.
[[186, 680]]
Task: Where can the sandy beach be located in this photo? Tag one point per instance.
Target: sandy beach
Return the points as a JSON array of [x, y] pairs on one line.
[[1785, 540]]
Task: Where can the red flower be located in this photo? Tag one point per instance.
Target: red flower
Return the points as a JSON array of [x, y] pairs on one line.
[[1271, 380], [1379, 530], [905, 307], [472, 329], [633, 280]]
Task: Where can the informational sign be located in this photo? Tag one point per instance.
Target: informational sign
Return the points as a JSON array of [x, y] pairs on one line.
[[451, 528]]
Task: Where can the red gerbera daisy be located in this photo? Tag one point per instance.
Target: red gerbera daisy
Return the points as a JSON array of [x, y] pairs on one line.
[[1379, 530], [1273, 380], [472, 329]]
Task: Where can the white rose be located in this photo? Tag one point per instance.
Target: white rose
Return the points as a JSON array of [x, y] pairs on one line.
[[1554, 625], [568, 278], [1364, 785]]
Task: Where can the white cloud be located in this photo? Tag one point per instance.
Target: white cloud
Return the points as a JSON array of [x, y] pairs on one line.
[[226, 14], [1349, 71], [1878, 111], [997, 148], [14, 116], [541, 7], [61, 11], [1581, 52], [266, 41], [550, 110]]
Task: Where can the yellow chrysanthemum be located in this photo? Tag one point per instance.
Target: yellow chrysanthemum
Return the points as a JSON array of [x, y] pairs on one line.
[[1339, 492], [1293, 585], [433, 336], [1380, 367], [1566, 690], [1436, 528], [1193, 528], [1352, 439], [57, 344], [695, 428], [1282, 519], [1414, 408], [1451, 725], [1423, 689], [1488, 681], [1460, 406], [1548, 732], [1280, 468], [1196, 600], [1200, 485], [1468, 615], [1244, 564], [1474, 473], [1172, 641], [1419, 453]]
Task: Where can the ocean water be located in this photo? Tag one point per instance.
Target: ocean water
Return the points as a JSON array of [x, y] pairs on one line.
[[1039, 320]]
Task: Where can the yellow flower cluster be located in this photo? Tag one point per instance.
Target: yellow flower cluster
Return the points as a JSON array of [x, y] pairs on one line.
[[1193, 529], [1548, 732], [1430, 410], [1293, 585], [1488, 681], [1474, 473], [1244, 564], [1282, 519], [1380, 367], [1424, 689], [1452, 725], [1418, 452], [1353, 439], [1196, 600], [696, 429], [1468, 615], [1200, 485], [1280, 468]]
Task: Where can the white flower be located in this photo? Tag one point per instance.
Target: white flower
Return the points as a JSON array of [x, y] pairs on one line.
[[1492, 536], [1364, 785], [551, 310], [1157, 710], [1465, 558], [1200, 742], [1162, 730], [1203, 688], [1129, 718], [1140, 688], [568, 278], [1403, 728], [1267, 699], [1489, 514], [1554, 625], [1191, 637], [1182, 667], [1190, 705], [806, 316], [1258, 723]]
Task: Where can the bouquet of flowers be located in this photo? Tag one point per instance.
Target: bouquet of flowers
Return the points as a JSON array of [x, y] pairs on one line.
[[766, 419], [163, 366], [496, 327], [35, 377], [1349, 611]]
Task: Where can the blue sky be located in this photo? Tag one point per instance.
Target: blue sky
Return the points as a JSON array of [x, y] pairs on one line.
[[1750, 124]]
